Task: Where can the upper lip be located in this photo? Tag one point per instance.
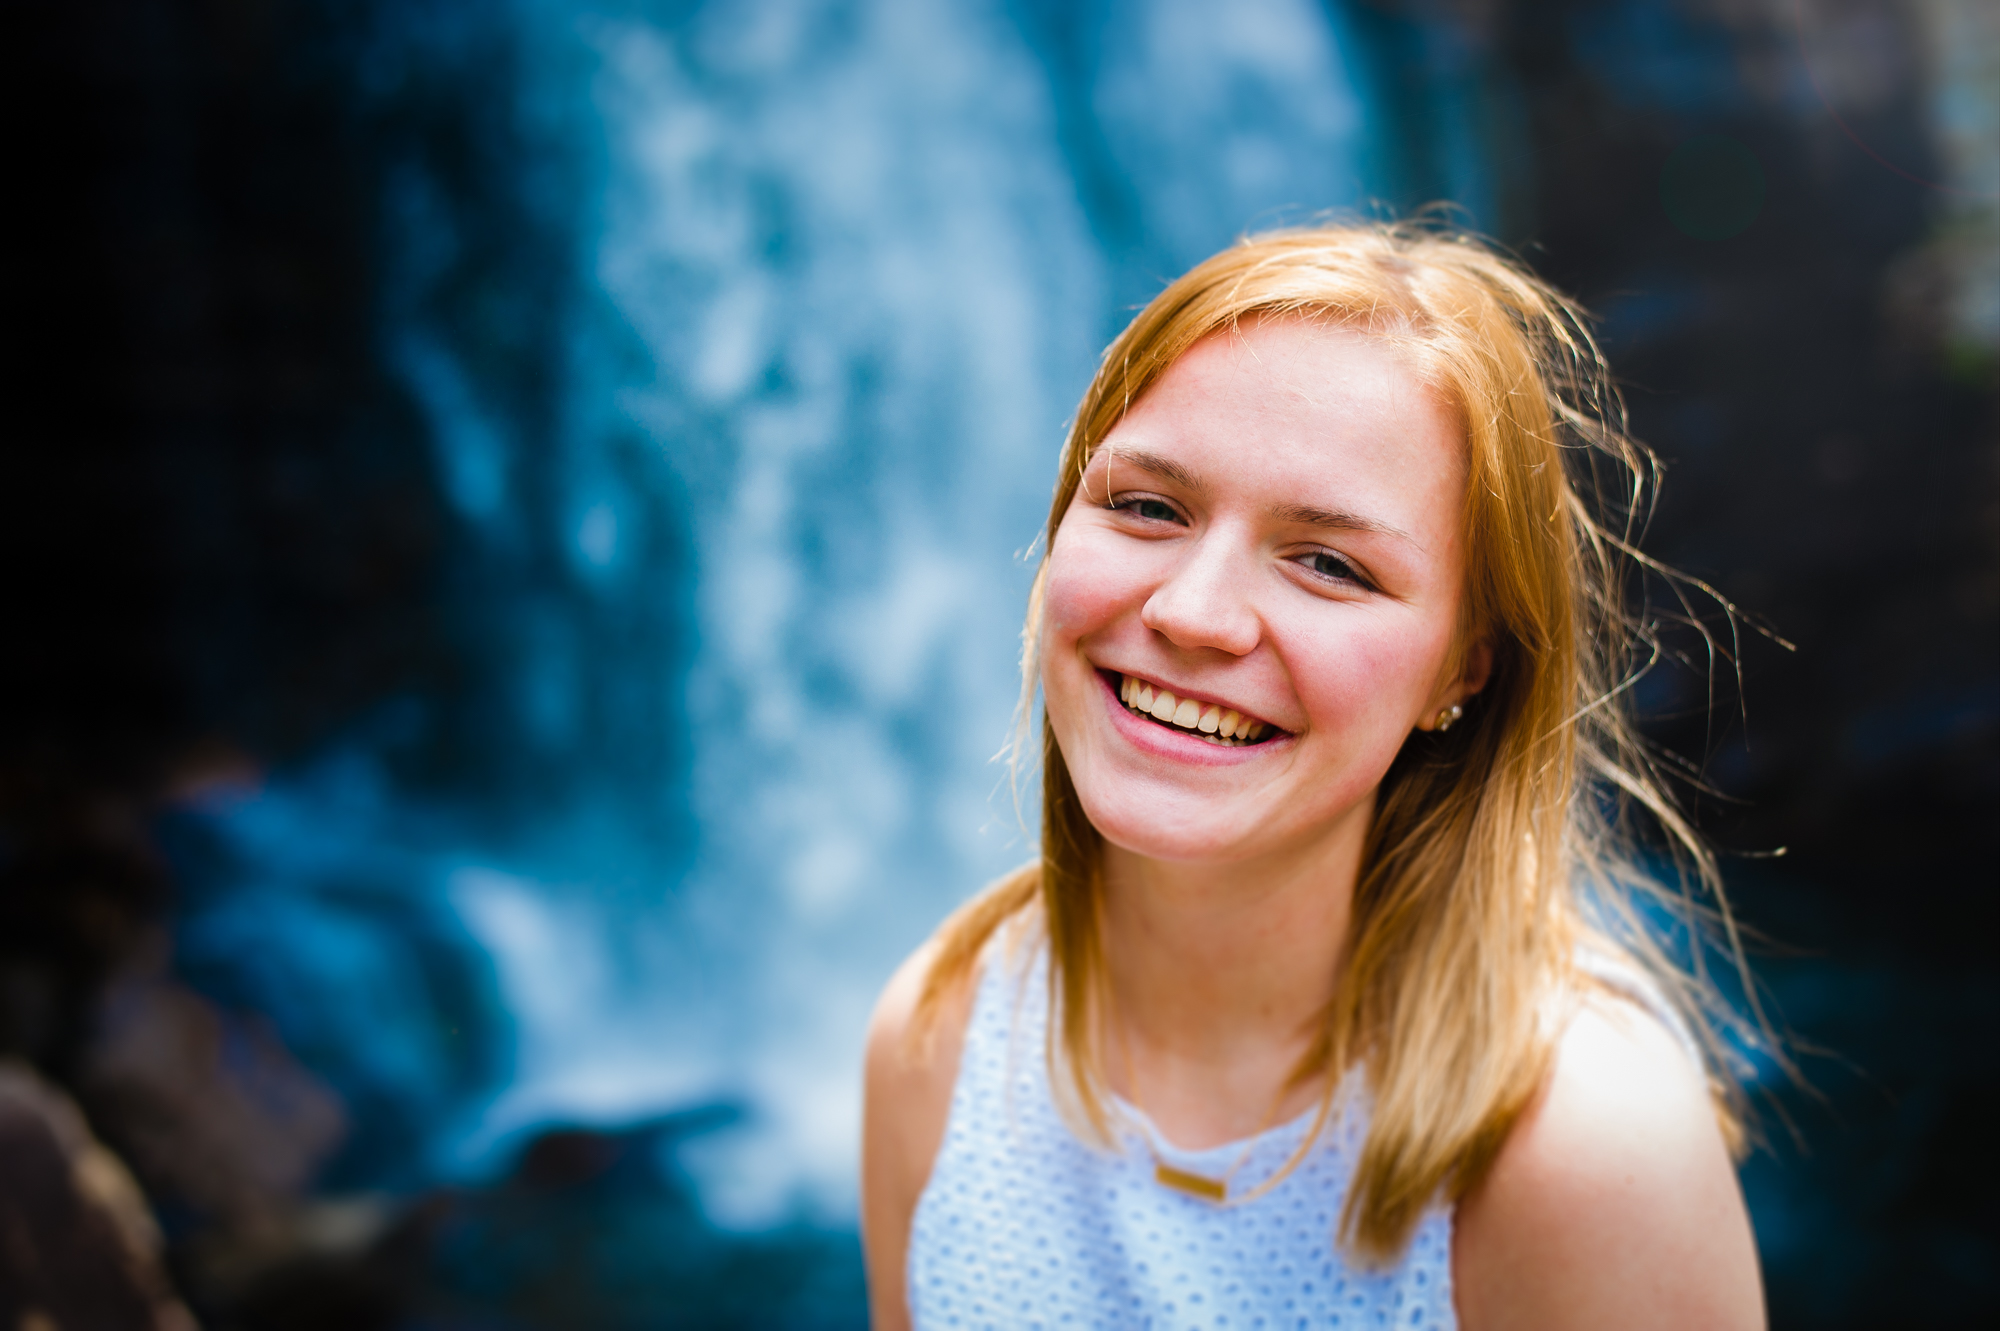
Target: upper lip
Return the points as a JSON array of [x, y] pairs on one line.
[[1192, 695]]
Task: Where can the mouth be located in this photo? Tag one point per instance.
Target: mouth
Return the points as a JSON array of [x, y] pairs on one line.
[[1218, 725]]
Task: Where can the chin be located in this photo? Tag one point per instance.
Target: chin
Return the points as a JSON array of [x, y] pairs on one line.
[[1155, 828], [1164, 820]]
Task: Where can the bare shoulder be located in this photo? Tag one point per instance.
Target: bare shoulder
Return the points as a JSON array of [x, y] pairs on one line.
[[909, 1071], [1614, 1201], [908, 1076]]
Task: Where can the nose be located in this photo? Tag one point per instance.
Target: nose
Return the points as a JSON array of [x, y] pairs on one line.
[[1205, 600]]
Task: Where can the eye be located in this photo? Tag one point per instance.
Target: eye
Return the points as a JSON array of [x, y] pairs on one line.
[[1330, 565], [1152, 510]]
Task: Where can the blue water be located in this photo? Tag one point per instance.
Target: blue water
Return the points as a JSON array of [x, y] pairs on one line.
[[743, 338]]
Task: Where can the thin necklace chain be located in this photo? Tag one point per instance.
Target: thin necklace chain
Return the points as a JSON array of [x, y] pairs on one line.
[[1212, 1190]]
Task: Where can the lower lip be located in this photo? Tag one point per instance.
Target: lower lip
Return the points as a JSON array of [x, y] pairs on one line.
[[1155, 739]]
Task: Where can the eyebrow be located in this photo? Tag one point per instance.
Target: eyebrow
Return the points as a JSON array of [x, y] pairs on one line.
[[1164, 468], [1338, 519], [1305, 515]]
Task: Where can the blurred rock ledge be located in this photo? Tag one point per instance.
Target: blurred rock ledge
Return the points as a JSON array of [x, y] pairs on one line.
[[78, 1247]]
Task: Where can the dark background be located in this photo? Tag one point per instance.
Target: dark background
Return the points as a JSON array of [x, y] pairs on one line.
[[225, 545]]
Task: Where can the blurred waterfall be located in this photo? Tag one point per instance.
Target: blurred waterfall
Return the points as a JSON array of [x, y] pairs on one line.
[[746, 408]]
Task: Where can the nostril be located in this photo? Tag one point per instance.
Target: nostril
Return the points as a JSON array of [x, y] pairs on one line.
[[1192, 619]]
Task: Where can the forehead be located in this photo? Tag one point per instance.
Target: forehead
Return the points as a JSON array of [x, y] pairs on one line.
[[1307, 413]]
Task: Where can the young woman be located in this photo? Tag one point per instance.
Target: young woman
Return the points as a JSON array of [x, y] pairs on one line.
[[1328, 1001]]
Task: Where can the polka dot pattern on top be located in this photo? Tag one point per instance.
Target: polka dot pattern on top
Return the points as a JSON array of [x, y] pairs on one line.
[[1024, 1225]]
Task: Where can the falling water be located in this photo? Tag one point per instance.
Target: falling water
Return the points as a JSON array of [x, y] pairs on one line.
[[746, 443]]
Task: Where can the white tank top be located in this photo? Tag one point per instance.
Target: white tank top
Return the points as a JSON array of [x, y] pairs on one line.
[[1024, 1225]]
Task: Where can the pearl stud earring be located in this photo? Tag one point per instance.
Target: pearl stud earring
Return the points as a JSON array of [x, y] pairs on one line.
[[1449, 717]]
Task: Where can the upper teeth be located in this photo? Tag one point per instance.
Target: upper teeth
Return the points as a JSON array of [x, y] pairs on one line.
[[1224, 724]]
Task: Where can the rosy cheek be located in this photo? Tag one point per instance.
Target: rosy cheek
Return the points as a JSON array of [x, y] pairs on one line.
[[1368, 677], [1087, 588]]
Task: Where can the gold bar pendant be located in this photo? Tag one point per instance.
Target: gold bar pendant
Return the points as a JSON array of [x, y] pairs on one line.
[[1208, 1189]]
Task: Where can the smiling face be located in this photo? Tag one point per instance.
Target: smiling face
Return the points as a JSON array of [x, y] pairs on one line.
[[1273, 531]]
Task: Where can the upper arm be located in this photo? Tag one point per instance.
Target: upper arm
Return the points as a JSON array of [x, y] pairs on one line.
[[907, 1085], [1614, 1201]]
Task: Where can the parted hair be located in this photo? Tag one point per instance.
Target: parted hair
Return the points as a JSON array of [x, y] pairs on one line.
[[1498, 848]]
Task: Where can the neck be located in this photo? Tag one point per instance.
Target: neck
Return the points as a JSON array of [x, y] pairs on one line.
[[1217, 976]]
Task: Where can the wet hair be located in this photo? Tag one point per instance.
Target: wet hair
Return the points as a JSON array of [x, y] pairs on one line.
[[1499, 848]]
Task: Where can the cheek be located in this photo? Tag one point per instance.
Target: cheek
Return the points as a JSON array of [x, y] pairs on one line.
[[1088, 587], [1375, 678]]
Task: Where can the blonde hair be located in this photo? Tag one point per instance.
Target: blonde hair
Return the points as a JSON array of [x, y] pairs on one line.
[[1498, 848]]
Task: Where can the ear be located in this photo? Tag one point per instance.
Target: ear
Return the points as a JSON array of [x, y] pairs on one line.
[[1475, 667]]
